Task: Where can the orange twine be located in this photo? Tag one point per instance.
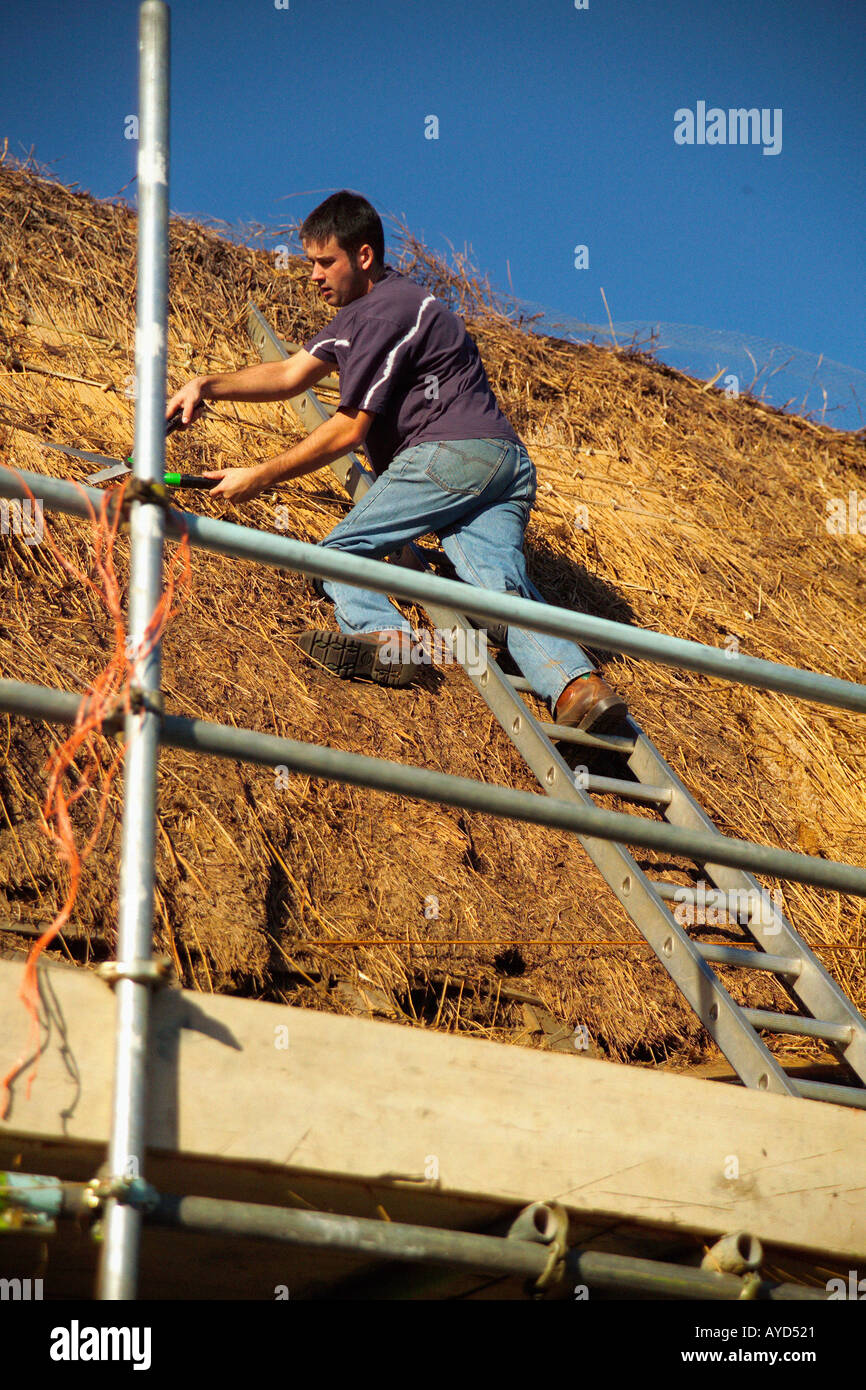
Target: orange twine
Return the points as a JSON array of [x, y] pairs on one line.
[[110, 691]]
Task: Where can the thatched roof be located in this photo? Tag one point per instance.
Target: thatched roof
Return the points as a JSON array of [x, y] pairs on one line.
[[706, 520]]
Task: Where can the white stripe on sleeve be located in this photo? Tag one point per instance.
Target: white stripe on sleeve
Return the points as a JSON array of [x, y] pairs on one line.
[[338, 342]]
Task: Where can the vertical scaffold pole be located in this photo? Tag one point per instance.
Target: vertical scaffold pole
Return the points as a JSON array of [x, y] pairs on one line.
[[118, 1274]]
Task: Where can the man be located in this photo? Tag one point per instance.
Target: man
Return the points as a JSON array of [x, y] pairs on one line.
[[414, 392]]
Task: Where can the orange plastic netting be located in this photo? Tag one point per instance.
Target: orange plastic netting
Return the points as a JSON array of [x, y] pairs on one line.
[[108, 694]]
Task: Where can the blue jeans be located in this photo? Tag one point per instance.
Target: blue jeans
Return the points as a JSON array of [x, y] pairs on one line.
[[476, 494]]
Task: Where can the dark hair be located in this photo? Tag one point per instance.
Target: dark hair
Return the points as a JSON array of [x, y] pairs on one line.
[[351, 219]]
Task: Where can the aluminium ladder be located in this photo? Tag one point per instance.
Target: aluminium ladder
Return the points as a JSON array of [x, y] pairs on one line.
[[823, 1010]]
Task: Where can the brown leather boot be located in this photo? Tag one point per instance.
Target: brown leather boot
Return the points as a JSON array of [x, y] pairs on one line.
[[383, 657], [590, 704]]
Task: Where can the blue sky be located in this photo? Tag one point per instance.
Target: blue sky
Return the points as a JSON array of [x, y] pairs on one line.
[[556, 129]]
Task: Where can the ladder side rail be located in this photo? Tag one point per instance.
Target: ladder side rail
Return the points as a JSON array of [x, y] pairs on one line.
[[813, 988]]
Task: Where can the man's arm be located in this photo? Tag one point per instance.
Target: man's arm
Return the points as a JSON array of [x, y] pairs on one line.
[[333, 438], [266, 381]]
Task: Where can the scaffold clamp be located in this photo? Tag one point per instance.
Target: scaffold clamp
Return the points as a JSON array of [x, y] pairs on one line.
[[142, 972]]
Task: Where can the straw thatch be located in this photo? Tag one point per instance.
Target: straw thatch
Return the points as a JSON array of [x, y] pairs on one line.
[[706, 519]]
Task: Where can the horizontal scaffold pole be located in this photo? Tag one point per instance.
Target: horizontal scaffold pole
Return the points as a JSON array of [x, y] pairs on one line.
[[48, 1199], [247, 543], [358, 769], [457, 1250]]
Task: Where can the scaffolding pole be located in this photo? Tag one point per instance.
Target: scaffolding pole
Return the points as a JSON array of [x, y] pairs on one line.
[[118, 1273], [263, 547], [382, 774], [524, 1251]]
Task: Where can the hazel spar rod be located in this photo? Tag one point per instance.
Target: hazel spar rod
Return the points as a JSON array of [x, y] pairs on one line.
[[247, 543], [358, 769]]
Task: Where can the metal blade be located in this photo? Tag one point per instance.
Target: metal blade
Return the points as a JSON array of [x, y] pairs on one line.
[[80, 454], [107, 473]]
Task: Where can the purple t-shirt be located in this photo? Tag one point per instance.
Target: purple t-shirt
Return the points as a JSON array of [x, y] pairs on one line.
[[410, 361]]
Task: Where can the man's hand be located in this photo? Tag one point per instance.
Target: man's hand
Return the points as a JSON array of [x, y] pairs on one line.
[[238, 484], [190, 398], [330, 440]]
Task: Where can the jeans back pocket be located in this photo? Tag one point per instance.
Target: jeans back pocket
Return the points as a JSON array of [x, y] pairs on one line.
[[467, 465]]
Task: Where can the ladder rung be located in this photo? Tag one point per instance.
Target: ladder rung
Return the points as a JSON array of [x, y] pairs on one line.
[[803, 1027], [563, 733], [634, 791], [752, 960], [747, 906], [826, 1090]]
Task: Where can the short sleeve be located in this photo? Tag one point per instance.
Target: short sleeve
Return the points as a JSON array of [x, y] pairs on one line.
[[323, 345], [370, 365]]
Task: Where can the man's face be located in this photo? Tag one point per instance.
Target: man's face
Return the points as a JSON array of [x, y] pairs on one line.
[[339, 282]]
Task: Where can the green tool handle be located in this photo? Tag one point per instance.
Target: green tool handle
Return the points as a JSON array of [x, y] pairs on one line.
[[180, 479], [184, 479], [189, 480]]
